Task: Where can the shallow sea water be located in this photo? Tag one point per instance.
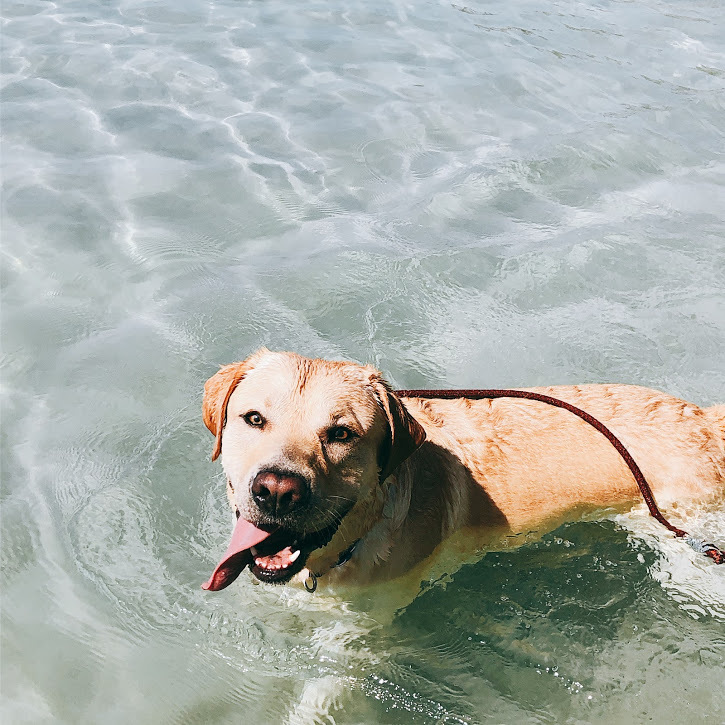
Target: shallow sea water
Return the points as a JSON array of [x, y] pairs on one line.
[[473, 194]]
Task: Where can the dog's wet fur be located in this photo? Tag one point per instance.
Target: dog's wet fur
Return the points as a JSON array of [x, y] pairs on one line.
[[301, 439]]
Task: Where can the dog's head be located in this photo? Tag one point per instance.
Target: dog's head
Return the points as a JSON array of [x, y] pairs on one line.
[[300, 440]]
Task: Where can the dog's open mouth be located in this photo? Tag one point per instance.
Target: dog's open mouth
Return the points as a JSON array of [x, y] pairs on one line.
[[274, 555]]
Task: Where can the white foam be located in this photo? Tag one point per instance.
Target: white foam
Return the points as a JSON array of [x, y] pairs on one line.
[[689, 577]]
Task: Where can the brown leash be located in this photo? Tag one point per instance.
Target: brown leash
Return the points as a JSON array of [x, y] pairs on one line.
[[710, 550]]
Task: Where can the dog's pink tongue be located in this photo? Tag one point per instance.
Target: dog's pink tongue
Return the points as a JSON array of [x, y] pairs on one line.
[[237, 556]]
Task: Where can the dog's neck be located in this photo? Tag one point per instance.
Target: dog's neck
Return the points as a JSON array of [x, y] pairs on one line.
[[429, 498]]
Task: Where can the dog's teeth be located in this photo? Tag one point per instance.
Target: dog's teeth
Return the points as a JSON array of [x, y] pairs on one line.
[[294, 557], [258, 562]]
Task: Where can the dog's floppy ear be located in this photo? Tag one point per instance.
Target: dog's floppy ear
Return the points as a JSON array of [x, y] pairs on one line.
[[406, 433], [217, 391]]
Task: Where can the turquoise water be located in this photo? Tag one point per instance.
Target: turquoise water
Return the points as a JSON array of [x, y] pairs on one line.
[[478, 194]]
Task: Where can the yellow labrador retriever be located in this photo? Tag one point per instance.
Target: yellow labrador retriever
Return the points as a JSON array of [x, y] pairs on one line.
[[328, 470]]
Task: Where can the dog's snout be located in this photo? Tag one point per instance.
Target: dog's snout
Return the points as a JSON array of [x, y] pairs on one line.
[[278, 493]]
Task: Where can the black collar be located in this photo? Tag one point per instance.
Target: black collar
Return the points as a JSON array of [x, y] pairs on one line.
[[346, 555]]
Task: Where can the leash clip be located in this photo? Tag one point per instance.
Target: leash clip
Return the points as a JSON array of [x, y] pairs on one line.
[[710, 550], [700, 545], [311, 583]]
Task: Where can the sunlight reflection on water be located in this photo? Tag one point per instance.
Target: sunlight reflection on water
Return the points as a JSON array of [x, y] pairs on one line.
[[499, 195]]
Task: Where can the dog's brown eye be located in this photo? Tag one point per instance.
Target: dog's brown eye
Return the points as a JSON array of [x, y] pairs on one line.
[[340, 434], [254, 419]]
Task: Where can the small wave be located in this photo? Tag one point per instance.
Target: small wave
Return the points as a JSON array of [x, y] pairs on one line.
[[691, 579]]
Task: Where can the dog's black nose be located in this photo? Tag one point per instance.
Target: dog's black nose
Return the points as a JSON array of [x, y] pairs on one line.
[[277, 493]]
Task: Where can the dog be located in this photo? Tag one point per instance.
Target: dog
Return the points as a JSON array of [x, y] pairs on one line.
[[330, 473]]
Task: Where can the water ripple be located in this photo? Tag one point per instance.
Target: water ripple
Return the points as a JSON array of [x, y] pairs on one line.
[[464, 195]]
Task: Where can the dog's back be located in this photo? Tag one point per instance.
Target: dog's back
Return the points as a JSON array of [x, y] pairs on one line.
[[535, 461], [716, 413]]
